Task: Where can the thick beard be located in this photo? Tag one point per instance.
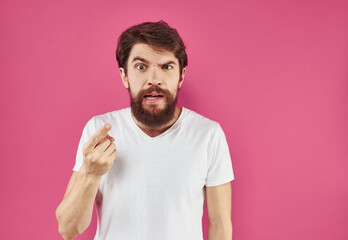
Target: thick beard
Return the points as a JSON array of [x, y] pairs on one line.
[[154, 117]]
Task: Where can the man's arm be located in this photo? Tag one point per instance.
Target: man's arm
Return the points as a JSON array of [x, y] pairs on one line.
[[74, 213], [219, 212]]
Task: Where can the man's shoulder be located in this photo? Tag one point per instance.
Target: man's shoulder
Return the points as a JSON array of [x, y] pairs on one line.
[[117, 116], [197, 120]]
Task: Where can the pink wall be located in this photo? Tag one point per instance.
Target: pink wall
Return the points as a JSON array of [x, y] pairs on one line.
[[273, 73]]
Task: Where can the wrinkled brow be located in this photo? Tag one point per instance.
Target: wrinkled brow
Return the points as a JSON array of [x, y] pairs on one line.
[[140, 59], [146, 61]]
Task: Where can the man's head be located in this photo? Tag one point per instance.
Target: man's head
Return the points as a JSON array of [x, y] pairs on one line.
[[157, 34], [152, 61]]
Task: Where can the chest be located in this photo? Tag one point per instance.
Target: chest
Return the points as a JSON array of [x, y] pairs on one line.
[[162, 171]]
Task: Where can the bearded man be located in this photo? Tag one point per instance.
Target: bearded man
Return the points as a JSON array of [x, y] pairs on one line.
[[149, 167]]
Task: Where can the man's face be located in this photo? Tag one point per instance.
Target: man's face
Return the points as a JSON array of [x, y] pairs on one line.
[[153, 79]]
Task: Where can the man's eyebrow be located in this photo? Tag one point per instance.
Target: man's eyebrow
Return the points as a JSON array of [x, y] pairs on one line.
[[146, 61], [169, 62], [140, 59]]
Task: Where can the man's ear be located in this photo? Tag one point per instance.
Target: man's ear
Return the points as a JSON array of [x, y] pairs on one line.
[[124, 77], [181, 80]]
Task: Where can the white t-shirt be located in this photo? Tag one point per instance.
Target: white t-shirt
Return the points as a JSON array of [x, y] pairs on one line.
[[155, 189]]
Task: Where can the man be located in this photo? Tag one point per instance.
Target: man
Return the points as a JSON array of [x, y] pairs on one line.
[[148, 167]]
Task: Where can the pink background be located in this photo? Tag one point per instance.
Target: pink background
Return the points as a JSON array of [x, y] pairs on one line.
[[273, 73]]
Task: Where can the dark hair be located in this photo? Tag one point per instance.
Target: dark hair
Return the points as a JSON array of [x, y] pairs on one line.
[[157, 34]]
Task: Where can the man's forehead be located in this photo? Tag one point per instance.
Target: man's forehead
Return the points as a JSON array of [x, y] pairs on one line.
[[150, 53]]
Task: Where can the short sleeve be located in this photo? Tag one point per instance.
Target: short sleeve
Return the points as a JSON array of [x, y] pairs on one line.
[[220, 165], [87, 132]]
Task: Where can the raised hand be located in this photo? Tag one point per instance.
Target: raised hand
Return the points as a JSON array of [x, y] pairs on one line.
[[99, 152]]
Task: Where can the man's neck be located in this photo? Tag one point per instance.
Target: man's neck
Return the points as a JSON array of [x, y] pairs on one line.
[[153, 132]]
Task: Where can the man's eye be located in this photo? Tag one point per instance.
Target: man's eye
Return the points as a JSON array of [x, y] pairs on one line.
[[140, 67], [167, 67]]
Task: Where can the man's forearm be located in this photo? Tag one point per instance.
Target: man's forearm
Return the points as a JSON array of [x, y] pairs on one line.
[[220, 232], [75, 211]]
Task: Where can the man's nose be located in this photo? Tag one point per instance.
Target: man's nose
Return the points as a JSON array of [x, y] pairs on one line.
[[154, 77]]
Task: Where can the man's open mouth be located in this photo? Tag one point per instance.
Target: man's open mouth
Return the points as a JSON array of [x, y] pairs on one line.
[[153, 96]]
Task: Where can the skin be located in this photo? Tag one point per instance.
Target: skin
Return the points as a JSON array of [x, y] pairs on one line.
[[153, 71], [74, 213], [219, 211]]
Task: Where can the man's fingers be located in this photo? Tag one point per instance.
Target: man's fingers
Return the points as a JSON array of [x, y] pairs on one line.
[[103, 145], [108, 136], [98, 136], [110, 148]]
